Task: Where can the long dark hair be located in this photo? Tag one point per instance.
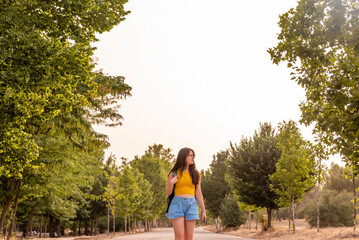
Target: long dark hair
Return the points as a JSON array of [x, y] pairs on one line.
[[181, 163]]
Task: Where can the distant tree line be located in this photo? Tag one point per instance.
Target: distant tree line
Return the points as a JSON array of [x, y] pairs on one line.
[[268, 170], [135, 191], [276, 171], [318, 41]]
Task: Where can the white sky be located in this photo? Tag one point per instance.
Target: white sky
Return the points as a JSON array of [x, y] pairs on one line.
[[200, 73]]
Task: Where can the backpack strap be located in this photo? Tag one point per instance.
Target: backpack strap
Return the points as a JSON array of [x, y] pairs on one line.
[[174, 185]]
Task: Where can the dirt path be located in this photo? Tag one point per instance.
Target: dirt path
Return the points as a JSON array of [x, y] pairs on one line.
[[167, 234]]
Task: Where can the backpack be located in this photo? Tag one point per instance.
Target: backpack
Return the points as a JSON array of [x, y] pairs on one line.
[[170, 197]]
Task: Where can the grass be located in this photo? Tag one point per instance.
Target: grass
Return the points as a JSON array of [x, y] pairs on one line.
[[280, 231]]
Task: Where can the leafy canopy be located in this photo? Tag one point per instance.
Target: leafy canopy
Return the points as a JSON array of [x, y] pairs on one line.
[[213, 183], [293, 176], [46, 68], [251, 163], [319, 41]]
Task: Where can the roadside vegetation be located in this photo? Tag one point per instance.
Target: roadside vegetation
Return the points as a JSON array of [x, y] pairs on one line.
[[54, 178]]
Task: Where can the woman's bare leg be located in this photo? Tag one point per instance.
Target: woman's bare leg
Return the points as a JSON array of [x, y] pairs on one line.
[[189, 228], [179, 227]]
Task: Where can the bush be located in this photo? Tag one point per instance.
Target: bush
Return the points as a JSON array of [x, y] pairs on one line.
[[336, 209], [230, 213], [262, 219]]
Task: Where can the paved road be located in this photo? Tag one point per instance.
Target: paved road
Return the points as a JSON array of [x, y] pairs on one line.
[[167, 234]]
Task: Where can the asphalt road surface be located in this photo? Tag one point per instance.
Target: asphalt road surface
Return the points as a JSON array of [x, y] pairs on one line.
[[167, 234]]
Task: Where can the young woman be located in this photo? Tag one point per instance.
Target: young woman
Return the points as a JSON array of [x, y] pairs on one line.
[[183, 210]]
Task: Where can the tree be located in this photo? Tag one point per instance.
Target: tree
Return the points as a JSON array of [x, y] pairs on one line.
[[214, 185], [230, 212], [337, 179], [145, 203], [321, 154], [45, 57], [318, 40], [335, 209], [111, 193], [157, 150], [293, 176], [134, 194], [155, 170], [342, 179], [47, 80], [97, 206], [60, 187], [351, 173], [251, 163]]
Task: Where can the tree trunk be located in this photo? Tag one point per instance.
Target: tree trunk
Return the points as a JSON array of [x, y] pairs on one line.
[[293, 214], [7, 204], [249, 219], [47, 218], [12, 225], [129, 223], [5, 209], [355, 204], [91, 229], [290, 215], [5, 231], [269, 213], [135, 226], [57, 227], [41, 226], [87, 227], [125, 223], [114, 224], [50, 226], [145, 225], [318, 196], [29, 223], [108, 220], [278, 215], [79, 231], [96, 225]]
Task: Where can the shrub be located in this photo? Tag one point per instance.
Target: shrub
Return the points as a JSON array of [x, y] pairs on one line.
[[336, 209], [262, 218], [230, 213]]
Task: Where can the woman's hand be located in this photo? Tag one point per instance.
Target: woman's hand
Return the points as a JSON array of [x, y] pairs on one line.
[[174, 180], [170, 183], [204, 217]]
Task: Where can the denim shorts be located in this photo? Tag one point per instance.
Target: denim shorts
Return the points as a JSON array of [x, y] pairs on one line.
[[183, 207]]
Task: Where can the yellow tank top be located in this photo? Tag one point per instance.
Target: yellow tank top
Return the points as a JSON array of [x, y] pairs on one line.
[[184, 184]]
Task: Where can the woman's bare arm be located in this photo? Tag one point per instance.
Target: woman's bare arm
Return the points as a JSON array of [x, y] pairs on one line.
[[171, 181], [199, 198]]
